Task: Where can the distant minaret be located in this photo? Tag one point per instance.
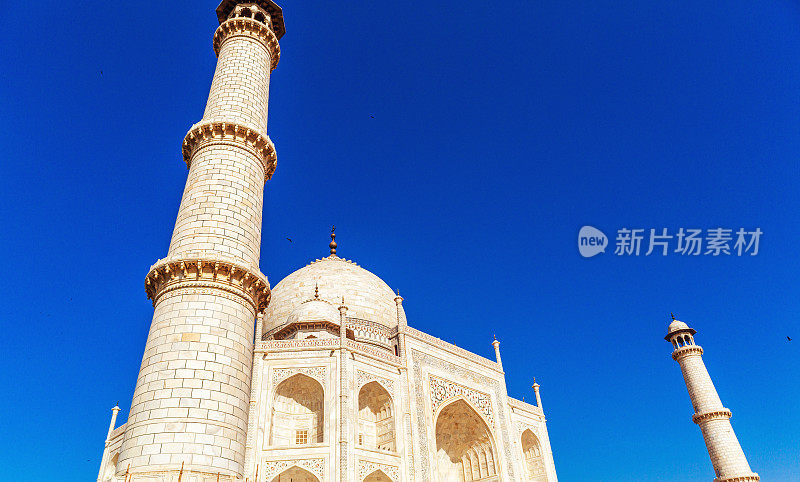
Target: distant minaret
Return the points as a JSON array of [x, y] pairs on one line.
[[730, 464], [189, 415]]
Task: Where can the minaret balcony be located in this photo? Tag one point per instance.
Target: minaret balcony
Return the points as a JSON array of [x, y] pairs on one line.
[[686, 350]]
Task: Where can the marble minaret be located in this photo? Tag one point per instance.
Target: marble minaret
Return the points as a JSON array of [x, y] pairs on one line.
[[189, 414], [727, 457]]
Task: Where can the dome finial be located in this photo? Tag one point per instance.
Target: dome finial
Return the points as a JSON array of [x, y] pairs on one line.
[[673, 316], [333, 241], [316, 291]]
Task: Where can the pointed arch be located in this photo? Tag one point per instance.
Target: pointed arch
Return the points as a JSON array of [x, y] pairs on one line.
[[298, 410], [375, 418], [465, 446], [377, 476], [533, 457], [295, 474]]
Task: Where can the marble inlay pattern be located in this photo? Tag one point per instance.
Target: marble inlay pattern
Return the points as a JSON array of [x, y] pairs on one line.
[[366, 467], [442, 391], [271, 468], [423, 360], [362, 378], [281, 374]]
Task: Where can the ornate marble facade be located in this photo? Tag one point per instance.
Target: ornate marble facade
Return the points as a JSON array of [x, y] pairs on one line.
[[317, 379]]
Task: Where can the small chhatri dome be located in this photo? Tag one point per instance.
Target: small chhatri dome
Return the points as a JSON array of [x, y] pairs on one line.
[[314, 309], [678, 326]]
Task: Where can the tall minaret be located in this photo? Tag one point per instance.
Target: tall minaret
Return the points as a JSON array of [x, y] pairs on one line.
[[730, 464], [190, 406]]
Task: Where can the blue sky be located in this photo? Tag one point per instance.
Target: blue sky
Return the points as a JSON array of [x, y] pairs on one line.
[[458, 147]]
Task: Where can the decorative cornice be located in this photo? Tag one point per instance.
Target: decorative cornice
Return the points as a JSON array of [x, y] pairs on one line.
[[361, 326], [373, 352], [687, 350], [268, 346], [177, 471], [524, 406], [456, 350], [209, 131], [740, 478], [250, 28], [723, 414], [168, 275]]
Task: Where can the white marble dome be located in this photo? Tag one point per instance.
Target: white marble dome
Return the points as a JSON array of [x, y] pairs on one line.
[[366, 296], [314, 310], [677, 325]]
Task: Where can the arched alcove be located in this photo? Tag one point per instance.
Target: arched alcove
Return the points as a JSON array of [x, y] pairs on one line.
[[295, 474], [298, 410], [377, 476], [375, 418], [464, 445], [534, 460]]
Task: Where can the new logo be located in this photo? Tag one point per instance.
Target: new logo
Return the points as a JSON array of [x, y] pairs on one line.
[[591, 242]]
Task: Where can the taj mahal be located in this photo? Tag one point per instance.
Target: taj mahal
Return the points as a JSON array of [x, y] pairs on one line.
[[320, 377]]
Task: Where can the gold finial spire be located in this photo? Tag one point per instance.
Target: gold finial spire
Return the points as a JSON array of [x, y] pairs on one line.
[[673, 316], [333, 241], [316, 291]]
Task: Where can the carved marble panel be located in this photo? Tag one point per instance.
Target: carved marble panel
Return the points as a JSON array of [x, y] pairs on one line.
[[271, 468], [366, 467], [317, 373], [422, 360], [362, 378], [443, 391]]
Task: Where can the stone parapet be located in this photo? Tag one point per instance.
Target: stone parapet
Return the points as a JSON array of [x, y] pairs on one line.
[[180, 474], [723, 414], [370, 351], [743, 478], [524, 406], [687, 350], [227, 8], [250, 28], [296, 345], [235, 279], [213, 132], [449, 347]]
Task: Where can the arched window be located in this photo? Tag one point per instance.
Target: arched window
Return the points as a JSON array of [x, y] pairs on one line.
[[534, 461], [260, 17], [297, 412], [295, 474], [464, 445], [375, 418]]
